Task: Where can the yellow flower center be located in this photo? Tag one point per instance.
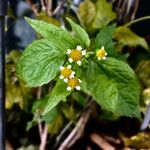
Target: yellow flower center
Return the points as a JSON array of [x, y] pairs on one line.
[[76, 55], [101, 53], [74, 82], [66, 72]]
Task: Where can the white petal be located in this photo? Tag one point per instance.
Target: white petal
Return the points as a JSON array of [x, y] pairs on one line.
[[68, 51], [79, 48], [68, 88], [99, 58], [102, 48], [104, 58], [65, 80], [106, 54], [79, 81], [78, 87], [79, 63], [61, 67], [70, 60], [73, 72], [71, 76], [84, 52], [69, 66], [63, 27], [61, 77]]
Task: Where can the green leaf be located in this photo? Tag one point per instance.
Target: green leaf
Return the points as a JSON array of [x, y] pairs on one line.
[[68, 111], [80, 34], [39, 63], [15, 88], [55, 126], [38, 107], [51, 116], [86, 13], [29, 147], [59, 93], [44, 17], [104, 38], [126, 37], [114, 86], [59, 36], [143, 72], [13, 56], [104, 14], [30, 124], [39, 104]]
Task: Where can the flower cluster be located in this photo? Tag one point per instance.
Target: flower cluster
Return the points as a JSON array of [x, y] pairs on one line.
[[67, 74], [76, 56]]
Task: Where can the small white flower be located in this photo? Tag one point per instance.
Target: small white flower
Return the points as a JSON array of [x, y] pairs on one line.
[[70, 60], [101, 53], [66, 72], [78, 87], [69, 88], [76, 55], [74, 83]]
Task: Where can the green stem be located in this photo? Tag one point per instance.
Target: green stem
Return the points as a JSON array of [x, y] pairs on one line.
[[137, 20], [91, 53]]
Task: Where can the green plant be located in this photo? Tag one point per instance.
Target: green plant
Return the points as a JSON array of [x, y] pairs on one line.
[[109, 80]]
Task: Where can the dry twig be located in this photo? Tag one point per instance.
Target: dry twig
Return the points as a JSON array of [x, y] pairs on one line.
[[47, 6], [146, 120], [44, 137], [102, 143], [77, 132], [43, 131]]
